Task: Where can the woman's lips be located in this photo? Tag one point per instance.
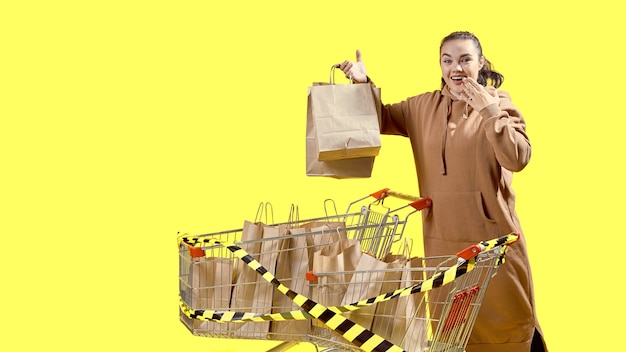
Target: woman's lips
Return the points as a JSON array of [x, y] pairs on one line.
[[458, 81]]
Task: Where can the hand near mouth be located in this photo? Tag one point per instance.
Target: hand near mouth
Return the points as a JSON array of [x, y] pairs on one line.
[[477, 96]]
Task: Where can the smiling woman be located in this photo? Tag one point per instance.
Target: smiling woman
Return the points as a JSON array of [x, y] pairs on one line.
[[467, 139]]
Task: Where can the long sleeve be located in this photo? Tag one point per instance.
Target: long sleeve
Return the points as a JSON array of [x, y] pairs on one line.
[[393, 119], [506, 131]]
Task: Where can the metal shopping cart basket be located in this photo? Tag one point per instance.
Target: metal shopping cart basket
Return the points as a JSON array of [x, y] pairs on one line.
[[428, 304], [220, 296]]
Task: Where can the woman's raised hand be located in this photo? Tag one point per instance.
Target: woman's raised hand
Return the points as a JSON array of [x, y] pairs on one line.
[[354, 70]]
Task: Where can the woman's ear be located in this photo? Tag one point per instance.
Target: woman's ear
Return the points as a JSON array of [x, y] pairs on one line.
[[481, 62]]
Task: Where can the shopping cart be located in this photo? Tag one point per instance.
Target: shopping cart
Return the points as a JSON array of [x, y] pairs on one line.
[[429, 304], [220, 297]]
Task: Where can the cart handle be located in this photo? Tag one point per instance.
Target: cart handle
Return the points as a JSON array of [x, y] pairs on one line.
[[418, 203], [474, 250]]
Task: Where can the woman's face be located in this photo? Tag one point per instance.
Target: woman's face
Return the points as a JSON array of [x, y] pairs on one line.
[[459, 58]]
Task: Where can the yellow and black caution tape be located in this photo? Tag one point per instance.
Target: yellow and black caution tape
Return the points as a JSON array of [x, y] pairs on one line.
[[241, 317], [331, 316], [437, 280]]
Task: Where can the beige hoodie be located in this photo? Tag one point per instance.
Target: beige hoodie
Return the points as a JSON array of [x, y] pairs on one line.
[[465, 160]]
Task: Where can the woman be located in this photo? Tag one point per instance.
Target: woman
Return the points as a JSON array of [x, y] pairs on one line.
[[467, 140]]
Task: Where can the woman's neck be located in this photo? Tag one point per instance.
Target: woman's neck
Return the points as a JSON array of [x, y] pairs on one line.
[[454, 94]]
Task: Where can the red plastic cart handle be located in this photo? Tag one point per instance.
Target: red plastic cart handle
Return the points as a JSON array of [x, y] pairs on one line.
[[380, 194], [474, 250], [469, 252], [418, 203], [422, 203]]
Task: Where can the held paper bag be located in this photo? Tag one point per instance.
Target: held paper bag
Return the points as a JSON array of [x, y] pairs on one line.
[[346, 120], [346, 168]]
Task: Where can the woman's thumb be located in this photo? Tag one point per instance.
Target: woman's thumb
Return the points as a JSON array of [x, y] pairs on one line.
[[358, 55]]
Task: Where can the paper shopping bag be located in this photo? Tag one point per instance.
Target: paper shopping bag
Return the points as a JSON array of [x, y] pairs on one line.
[[385, 317], [262, 291], [211, 284], [321, 234], [334, 264], [366, 282], [244, 278], [411, 329], [346, 168], [346, 120], [291, 269]]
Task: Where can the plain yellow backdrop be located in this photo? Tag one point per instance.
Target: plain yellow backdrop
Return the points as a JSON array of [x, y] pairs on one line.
[[125, 122]]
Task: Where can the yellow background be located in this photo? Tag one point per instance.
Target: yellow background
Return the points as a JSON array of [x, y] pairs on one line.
[[124, 122]]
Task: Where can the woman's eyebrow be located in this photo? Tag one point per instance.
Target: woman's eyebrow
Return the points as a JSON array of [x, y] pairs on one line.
[[462, 55]]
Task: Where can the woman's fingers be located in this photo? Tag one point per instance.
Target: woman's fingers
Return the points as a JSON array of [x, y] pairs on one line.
[[471, 85], [344, 66]]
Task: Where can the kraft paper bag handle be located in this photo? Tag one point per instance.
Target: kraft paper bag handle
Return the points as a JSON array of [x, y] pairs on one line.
[[267, 209], [335, 235], [407, 248], [332, 75], [294, 216], [334, 205]]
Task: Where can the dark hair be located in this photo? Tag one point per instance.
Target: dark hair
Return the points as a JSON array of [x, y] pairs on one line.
[[486, 73]]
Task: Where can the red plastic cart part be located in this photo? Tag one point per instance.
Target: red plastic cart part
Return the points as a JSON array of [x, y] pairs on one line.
[[469, 252], [458, 310], [380, 194], [195, 252], [419, 203], [311, 277], [422, 203]]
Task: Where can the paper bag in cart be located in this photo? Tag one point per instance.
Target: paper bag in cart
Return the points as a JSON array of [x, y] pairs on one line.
[[410, 327], [291, 269], [252, 293], [210, 286], [386, 317], [346, 120]]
